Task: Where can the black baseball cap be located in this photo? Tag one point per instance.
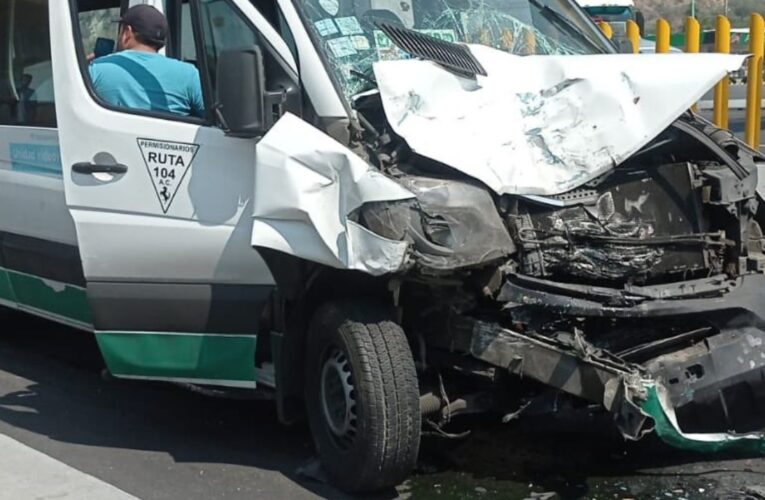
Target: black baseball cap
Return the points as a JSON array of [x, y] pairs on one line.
[[146, 21]]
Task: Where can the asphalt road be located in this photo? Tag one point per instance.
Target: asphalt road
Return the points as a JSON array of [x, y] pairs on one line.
[[157, 441], [154, 441]]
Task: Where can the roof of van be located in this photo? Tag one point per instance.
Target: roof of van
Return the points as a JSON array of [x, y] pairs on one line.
[[606, 3]]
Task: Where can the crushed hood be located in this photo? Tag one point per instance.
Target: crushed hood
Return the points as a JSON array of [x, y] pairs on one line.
[[543, 125]]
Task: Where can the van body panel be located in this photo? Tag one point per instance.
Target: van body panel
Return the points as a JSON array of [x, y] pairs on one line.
[[61, 302], [224, 360], [175, 254]]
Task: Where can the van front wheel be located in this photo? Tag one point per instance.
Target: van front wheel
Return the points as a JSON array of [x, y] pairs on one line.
[[362, 396]]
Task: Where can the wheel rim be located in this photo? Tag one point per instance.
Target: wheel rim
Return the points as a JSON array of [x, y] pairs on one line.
[[338, 397]]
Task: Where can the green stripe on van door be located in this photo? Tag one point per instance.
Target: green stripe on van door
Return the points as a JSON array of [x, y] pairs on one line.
[[6, 292], [205, 358], [60, 299]]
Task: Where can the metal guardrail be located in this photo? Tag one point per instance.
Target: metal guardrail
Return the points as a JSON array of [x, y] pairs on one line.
[[693, 37]]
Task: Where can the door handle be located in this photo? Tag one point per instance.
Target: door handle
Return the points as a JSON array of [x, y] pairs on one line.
[[96, 168]]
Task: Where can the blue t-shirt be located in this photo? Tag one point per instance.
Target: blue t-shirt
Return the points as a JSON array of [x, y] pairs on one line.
[[148, 81]]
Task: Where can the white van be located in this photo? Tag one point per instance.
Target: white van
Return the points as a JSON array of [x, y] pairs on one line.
[[393, 213]]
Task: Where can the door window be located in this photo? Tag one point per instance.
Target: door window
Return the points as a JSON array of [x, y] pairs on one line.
[[143, 80], [219, 27], [98, 23], [223, 30], [188, 50], [26, 74], [182, 44]]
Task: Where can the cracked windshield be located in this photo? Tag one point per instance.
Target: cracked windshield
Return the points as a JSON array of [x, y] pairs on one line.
[[348, 35]]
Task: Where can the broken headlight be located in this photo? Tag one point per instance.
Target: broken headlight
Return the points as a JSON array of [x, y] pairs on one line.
[[452, 223]]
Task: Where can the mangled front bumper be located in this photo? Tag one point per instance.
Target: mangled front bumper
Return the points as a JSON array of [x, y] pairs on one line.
[[705, 392]]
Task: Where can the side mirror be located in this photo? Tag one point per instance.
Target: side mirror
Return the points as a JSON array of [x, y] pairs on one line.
[[241, 92], [640, 21]]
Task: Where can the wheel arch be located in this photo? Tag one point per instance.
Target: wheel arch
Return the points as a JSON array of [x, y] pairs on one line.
[[301, 287]]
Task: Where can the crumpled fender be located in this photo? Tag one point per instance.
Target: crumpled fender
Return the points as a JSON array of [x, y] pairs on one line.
[[306, 186]]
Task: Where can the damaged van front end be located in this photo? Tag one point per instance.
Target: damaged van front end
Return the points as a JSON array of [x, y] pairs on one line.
[[553, 232]]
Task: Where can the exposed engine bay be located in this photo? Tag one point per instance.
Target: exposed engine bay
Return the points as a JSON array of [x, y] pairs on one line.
[[639, 291], [649, 271]]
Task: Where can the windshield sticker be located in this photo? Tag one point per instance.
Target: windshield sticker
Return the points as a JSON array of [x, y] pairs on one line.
[[386, 51], [331, 7], [445, 35], [349, 25], [326, 27], [341, 47], [360, 42], [167, 163]]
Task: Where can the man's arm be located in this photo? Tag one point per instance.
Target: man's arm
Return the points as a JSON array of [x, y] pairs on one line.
[[196, 99], [96, 77]]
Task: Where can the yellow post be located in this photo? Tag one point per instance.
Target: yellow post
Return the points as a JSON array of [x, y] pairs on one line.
[[606, 29], [758, 120], [663, 33], [693, 42], [633, 35], [692, 35], [722, 90], [754, 81]]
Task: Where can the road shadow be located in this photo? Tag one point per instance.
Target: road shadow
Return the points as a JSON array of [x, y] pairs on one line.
[[551, 456], [62, 395]]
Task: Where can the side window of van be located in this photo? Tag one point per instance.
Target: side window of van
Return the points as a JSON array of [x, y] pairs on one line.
[[26, 74], [224, 28], [271, 11], [181, 44], [98, 24], [219, 27], [144, 80]]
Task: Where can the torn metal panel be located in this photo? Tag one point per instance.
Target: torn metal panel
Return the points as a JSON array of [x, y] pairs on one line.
[[306, 186], [714, 298], [542, 125], [568, 363], [638, 223], [658, 407], [716, 383]]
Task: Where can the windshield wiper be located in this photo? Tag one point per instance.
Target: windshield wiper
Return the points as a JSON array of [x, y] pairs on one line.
[[562, 21]]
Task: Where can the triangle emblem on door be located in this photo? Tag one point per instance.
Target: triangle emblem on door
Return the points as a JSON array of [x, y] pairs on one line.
[[167, 163]]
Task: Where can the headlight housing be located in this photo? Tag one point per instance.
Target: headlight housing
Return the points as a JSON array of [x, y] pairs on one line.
[[452, 224]]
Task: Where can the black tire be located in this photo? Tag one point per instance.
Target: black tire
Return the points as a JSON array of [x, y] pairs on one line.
[[379, 423]]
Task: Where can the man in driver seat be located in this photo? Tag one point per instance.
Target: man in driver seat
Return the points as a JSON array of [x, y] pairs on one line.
[[139, 77]]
